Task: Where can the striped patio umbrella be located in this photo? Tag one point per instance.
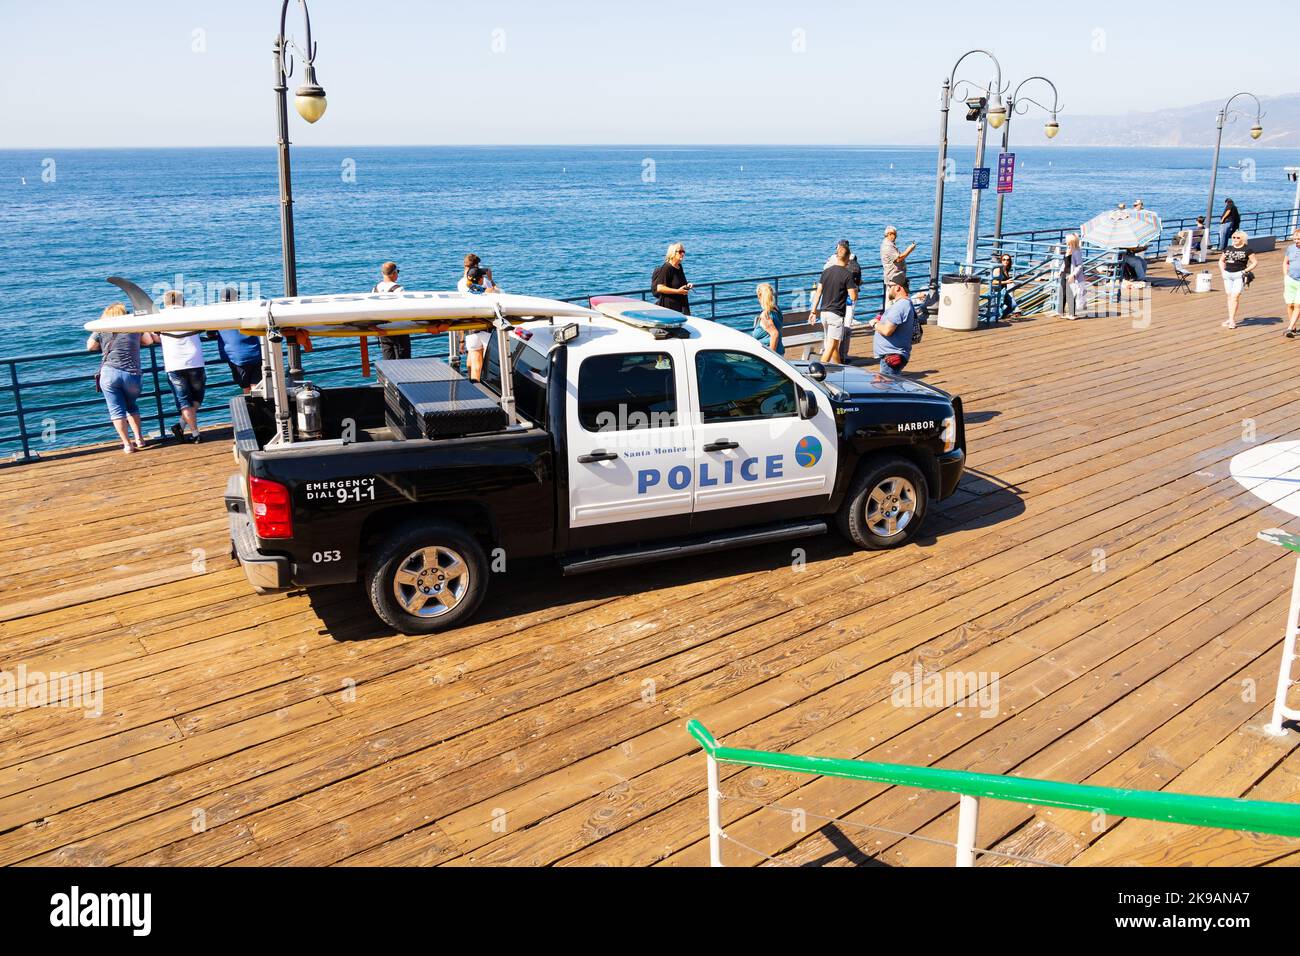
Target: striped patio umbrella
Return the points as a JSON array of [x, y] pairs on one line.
[[1121, 229]]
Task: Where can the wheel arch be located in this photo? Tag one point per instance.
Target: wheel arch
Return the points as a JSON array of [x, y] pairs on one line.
[[473, 516]]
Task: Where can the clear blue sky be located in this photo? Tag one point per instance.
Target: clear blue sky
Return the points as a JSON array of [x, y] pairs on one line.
[[136, 72]]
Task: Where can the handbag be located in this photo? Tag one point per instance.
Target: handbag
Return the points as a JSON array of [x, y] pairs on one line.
[[100, 371]]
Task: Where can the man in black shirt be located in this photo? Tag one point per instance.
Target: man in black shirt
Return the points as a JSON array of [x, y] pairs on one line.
[[836, 289], [1229, 223], [669, 281]]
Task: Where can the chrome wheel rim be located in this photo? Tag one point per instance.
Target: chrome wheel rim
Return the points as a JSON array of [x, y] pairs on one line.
[[431, 582], [891, 506]]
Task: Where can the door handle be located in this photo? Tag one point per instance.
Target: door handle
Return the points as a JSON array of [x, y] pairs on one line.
[[597, 454], [721, 445]]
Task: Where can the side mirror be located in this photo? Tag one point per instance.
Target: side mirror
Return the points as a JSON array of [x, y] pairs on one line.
[[817, 371], [807, 404]]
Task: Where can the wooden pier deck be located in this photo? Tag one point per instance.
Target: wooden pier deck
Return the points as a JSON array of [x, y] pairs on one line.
[[1097, 558]]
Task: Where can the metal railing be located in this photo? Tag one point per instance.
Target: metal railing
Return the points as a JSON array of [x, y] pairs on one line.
[[1229, 813], [1267, 222], [28, 426]]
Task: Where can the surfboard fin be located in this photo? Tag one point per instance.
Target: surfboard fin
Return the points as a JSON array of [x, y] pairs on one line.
[[141, 304]]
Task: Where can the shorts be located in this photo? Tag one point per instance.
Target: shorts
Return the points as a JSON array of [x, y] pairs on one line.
[[832, 328], [247, 375], [1234, 282], [1291, 291], [121, 389], [893, 363], [477, 340], [188, 386]]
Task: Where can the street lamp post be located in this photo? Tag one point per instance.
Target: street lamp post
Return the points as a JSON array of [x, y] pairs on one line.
[[1016, 104], [1255, 132], [1293, 174], [981, 131], [996, 115], [309, 100]]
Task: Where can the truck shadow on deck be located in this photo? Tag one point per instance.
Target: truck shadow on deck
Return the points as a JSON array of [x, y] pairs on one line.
[[534, 585]]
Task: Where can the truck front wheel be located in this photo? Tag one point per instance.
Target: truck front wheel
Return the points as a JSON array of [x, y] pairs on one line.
[[427, 578], [886, 504]]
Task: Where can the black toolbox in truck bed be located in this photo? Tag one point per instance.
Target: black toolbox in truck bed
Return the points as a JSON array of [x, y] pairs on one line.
[[427, 398]]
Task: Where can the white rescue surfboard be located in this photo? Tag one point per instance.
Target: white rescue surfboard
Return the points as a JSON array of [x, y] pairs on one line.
[[347, 313]]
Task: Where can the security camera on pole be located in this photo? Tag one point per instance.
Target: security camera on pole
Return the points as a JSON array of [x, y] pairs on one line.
[[989, 106]]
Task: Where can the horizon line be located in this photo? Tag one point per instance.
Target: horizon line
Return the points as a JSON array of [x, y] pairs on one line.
[[1048, 145]]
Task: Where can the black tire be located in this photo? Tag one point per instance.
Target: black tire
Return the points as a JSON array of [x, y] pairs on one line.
[[895, 478], [426, 554]]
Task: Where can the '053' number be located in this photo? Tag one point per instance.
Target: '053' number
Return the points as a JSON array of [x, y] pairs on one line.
[[322, 557]]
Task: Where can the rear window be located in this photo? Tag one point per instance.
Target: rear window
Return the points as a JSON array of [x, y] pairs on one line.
[[627, 392], [531, 373]]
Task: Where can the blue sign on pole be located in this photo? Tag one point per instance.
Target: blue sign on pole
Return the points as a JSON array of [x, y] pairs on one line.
[[980, 178]]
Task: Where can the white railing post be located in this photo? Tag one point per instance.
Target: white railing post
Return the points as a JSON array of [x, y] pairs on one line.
[[1280, 710], [968, 818], [715, 814]]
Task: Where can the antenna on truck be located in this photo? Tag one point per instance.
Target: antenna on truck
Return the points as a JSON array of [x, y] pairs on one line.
[[274, 340], [506, 361]]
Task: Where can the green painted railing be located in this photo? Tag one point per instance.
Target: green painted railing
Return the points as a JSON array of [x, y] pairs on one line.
[[1231, 813]]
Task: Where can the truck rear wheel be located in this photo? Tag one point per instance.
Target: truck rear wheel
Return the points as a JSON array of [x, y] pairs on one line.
[[428, 578], [886, 504]]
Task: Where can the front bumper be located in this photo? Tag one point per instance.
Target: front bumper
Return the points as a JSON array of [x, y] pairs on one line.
[[951, 466], [266, 573]]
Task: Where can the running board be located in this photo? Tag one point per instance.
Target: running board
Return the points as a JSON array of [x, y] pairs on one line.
[[720, 542]]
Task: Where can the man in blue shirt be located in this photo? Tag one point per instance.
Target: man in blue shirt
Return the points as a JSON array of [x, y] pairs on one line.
[[892, 343], [243, 353]]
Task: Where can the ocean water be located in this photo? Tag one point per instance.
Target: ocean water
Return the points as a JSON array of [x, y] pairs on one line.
[[548, 220]]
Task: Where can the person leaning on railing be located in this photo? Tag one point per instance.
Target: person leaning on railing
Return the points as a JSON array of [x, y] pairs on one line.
[[119, 376], [1004, 303], [768, 323]]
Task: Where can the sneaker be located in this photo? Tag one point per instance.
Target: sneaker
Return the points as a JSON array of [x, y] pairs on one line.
[[194, 439], [1290, 333]]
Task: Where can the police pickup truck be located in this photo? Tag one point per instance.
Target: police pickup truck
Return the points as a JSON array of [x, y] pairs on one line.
[[607, 444]]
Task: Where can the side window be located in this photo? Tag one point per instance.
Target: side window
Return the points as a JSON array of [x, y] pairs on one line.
[[626, 392], [736, 385]]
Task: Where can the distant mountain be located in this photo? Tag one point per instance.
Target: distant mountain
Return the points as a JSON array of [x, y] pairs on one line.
[[1188, 125]]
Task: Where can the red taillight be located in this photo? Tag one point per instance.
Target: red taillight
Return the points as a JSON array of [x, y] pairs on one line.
[[272, 509]]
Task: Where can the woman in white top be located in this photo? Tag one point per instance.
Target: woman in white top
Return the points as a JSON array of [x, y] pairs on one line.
[[184, 362]]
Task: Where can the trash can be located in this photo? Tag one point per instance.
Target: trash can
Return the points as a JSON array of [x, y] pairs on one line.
[[1203, 282], [959, 302]]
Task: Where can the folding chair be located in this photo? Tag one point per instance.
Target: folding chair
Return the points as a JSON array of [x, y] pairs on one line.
[[1184, 276]]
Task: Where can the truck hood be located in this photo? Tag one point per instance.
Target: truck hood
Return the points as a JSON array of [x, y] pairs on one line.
[[845, 383]]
